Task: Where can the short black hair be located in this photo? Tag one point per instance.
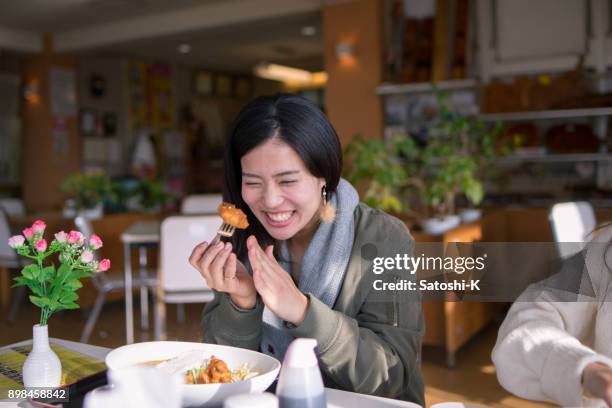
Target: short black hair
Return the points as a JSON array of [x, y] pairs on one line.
[[294, 120]]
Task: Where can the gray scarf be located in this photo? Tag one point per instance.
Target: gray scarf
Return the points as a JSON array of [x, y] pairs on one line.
[[323, 266]]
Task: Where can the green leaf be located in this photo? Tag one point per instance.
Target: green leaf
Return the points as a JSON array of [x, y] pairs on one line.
[[63, 270], [30, 271], [47, 273], [73, 284], [70, 306], [68, 297], [23, 281], [39, 301]]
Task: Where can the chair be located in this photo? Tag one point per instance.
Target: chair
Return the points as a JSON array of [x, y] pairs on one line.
[[8, 260], [201, 204], [12, 206], [105, 283], [571, 223], [178, 281]]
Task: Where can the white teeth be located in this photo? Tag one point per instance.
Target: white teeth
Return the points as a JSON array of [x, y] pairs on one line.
[[280, 217]]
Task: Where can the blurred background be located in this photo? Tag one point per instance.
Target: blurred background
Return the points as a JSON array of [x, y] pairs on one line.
[[468, 119]]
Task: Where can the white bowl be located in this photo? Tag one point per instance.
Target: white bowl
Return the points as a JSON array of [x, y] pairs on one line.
[[197, 395], [470, 214], [439, 225]]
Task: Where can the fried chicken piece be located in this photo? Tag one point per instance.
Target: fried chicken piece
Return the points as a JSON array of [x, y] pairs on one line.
[[233, 216], [217, 372]]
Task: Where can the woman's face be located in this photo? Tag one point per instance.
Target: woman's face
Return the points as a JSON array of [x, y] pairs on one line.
[[279, 190]]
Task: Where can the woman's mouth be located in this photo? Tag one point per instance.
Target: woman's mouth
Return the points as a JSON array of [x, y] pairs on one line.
[[279, 219]]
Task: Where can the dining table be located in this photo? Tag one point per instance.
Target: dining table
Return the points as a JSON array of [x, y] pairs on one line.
[[140, 235], [335, 398]]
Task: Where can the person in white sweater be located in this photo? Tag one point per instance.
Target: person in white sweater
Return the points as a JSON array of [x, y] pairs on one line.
[[551, 350]]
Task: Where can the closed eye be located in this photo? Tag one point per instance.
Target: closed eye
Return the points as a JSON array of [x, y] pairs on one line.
[[285, 182]]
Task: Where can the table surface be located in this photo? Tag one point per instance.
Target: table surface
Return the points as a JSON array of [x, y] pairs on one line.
[[335, 398], [142, 232]]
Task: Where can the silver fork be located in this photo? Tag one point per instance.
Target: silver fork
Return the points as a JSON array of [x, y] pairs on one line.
[[225, 230]]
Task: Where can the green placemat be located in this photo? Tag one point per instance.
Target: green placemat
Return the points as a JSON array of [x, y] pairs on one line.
[[75, 366]]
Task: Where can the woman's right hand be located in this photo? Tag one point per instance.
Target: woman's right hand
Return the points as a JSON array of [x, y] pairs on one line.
[[597, 381], [223, 272]]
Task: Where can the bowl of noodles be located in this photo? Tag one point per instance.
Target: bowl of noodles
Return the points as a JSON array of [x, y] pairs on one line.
[[210, 372]]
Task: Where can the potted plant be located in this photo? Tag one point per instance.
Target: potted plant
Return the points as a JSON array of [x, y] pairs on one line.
[[86, 194], [423, 180], [52, 289], [375, 161], [152, 195], [458, 154], [144, 195]]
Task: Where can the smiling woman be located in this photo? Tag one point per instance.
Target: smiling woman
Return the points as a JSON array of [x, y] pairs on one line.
[[296, 271]]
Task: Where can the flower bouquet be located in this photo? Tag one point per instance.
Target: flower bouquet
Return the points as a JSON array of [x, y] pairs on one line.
[[52, 289]]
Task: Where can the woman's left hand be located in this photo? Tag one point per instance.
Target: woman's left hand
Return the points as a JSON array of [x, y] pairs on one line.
[[275, 286]]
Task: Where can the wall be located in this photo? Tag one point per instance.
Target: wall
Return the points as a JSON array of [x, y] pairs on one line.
[[351, 102], [45, 164], [108, 153]]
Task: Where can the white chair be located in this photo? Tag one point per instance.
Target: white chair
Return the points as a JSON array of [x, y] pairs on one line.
[[201, 204], [105, 283], [8, 260], [12, 206], [178, 281], [571, 223]]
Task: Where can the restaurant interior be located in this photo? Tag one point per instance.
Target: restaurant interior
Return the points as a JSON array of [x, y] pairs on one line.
[[114, 113]]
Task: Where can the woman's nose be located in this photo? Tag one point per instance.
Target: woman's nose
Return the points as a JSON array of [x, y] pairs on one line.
[[272, 197]]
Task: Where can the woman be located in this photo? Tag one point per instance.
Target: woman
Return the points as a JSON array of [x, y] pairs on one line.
[[549, 348], [291, 275]]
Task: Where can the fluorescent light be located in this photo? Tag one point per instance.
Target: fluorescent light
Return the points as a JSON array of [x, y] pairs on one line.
[[282, 73]]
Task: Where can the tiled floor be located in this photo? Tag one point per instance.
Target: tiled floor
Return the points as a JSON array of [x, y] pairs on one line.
[[473, 379]]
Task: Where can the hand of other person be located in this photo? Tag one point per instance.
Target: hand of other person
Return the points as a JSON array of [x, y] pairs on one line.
[[223, 272], [275, 286], [597, 381]]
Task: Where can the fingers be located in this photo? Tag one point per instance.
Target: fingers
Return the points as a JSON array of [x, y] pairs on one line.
[[252, 242], [270, 252], [202, 264], [217, 267], [261, 282], [230, 270], [197, 253]]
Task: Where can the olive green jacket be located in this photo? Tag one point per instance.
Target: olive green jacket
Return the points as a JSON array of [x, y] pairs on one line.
[[370, 342]]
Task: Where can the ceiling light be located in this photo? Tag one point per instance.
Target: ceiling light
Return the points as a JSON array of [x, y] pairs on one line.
[[184, 48], [309, 31], [281, 73]]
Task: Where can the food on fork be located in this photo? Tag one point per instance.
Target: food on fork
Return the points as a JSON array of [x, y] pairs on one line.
[[233, 216]]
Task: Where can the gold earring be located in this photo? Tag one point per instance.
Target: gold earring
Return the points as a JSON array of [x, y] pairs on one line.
[[328, 212]]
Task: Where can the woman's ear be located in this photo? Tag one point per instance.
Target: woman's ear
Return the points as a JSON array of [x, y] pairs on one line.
[[322, 182]]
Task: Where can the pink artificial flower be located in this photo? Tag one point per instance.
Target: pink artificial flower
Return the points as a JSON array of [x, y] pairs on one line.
[[75, 237], [16, 241], [87, 256], [39, 226], [61, 237], [104, 265], [29, 233], [41, 245], [95, 241]]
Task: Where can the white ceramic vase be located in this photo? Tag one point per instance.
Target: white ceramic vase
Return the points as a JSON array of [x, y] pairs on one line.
[[42, 368]]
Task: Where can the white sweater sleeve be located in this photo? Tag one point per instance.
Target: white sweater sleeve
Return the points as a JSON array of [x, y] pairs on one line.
[[539, 354]]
